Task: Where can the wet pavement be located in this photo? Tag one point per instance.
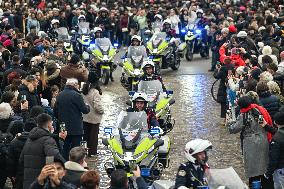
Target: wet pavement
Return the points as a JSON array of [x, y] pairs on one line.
[[195, 112]]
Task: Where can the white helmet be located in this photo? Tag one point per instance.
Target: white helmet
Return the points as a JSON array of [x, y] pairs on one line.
[[96, 29], [81, 17], [54, 21], [242, 34], [103, 9], [199, 11], [136, 37], [147, 63], [139, 97], [167, 21], [194, 147], [158, 16]]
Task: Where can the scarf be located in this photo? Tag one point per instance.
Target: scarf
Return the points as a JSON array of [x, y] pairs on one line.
[[265, 115]]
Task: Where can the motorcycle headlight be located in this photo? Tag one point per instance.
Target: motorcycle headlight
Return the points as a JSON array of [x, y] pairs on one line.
[[198, 31], [105, 48], [137, 72], [156, 42], [183, 31], [137, 156]]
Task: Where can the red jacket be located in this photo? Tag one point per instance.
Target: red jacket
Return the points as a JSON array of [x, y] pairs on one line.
[[235, 58]]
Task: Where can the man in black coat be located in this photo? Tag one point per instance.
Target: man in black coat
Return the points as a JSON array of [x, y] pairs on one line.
[[15, 67], [39, 145], [69, 107], [276, 153]]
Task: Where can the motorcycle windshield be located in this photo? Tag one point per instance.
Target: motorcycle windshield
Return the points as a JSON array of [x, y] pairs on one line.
[[152, 88], [130, 127], [136, 55], [103, 44], [157, 26], [62, 33], [84, 27], [157, 38]]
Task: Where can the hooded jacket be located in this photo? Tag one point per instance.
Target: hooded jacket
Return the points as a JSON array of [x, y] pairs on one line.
[[39, 145], [74, 171], [267, 50], [235, 58]]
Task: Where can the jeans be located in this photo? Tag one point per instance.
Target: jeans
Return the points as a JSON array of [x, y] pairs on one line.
[[125, 38], [70, 142], [278, 177], [142, 34]]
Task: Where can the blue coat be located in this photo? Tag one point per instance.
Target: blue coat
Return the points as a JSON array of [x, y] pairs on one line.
[[69, 108]]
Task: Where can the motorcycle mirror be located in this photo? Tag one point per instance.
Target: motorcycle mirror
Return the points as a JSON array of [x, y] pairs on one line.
[[172, 101], [129, 103]]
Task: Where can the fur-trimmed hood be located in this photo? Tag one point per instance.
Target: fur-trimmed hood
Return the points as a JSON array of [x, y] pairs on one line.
[[266, 50], [52, 76], [70, 165]]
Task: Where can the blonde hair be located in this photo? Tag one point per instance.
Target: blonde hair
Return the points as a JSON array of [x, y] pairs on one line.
[[274, 88], [5, 110], [265, 76]]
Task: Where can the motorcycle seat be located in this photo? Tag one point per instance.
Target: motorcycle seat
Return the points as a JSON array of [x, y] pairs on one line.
[[165, 148]]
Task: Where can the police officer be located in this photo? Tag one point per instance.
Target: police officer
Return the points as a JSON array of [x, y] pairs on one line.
[[192, 173], [148, 68]]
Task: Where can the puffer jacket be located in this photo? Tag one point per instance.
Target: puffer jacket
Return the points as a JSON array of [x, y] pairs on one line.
[[39, 145], [235, 58], [270, 102]]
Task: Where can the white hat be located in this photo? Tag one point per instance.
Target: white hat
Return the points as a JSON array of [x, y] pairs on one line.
[[44, 102]]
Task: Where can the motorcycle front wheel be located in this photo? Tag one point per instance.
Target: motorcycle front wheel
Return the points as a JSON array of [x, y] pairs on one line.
[[176, 64], [189, 54], [105, 76]]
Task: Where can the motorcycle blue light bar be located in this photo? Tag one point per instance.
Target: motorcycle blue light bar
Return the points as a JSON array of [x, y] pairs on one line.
[[145, 172], [151, 57], [154, 131], [131, 93], [115, 45], [170, 92], [108, 130], [182, 30]]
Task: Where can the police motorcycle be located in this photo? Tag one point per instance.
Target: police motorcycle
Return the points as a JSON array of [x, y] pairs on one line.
[[131, 66], [160, 101], [84, 37], [162, 52], [63, 35], [194, 42], [133, 144], [103, 51]]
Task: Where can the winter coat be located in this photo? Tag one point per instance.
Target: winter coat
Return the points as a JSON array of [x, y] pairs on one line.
[[73, 71], [14, 68], [14, 152], [105, 21], [222, 75], [69, 107], [32, 97], [236, 59], [267, 50], [47, 185], [93, 98], [255, 144], [33, 22], [51, 80], [39, 145], [270, 102], [74, 171], [141, 184], [276, 152]]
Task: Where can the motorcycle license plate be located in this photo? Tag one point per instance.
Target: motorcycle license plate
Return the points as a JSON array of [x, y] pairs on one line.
[[145, 172]]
